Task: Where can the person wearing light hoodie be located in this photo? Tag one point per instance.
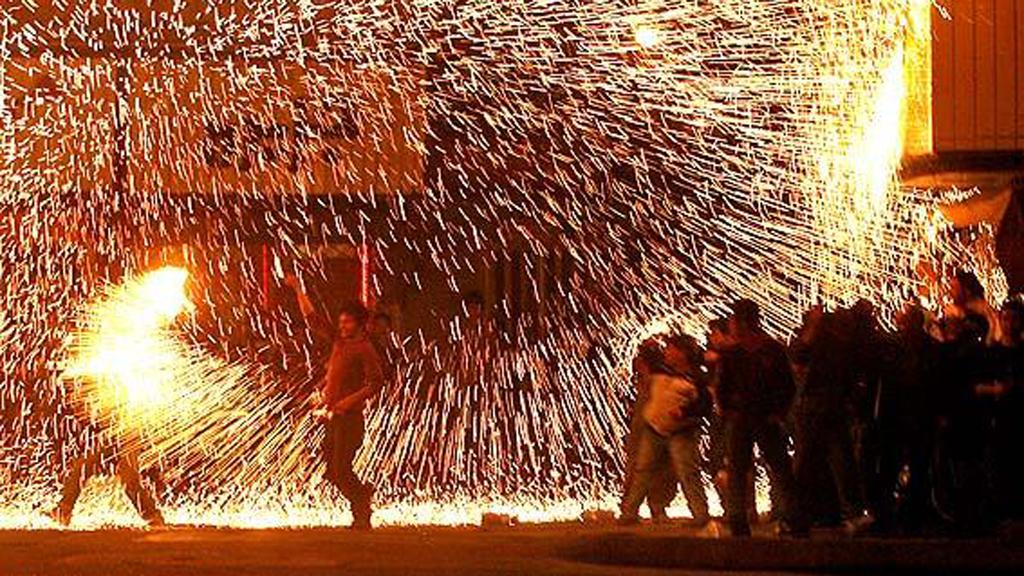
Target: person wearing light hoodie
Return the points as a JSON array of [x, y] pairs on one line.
[[678, 403]]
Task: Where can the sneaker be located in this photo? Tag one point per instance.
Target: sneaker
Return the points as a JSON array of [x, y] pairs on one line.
[[59, 516], [859, 524], [362, 513], [362, 523], [710, 530], [362, 509], [156, 521], [661, 518], [787, 530], [739, 529], [628, 520]]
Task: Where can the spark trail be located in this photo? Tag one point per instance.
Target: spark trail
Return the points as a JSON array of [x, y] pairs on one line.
[[669, 156]]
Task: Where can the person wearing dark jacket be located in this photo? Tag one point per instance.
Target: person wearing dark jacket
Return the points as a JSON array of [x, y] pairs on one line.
[[678, 403], [907, 419], [755, 391], [967, 407], [823, 427], [1008, 427]]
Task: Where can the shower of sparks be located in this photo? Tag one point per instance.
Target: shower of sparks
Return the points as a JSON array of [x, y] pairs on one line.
[[643, 162], [124, 363]]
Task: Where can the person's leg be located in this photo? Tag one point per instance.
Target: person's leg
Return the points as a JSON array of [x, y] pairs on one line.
[[661, 491], [81, 469], [650, 451], [715, 462], [772, 440], [739, 459], [128, 472], [750, 496], [636, 430], [349, 439], [844, 469], [808, 456], [918, 452], [684, 450], [330, 452]]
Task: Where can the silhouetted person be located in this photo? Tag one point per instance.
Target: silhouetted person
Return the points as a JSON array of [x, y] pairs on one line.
[[716, 463], [1009, 421], [908, 423], [968, 404], [123, 460], [823, 427], [755, 393], [380, 332], [354, 375]]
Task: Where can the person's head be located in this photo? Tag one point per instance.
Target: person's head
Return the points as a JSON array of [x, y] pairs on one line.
[[863, 309], [352, 320], [745, 318], [966, 287], [911, 319], [648, 355], [718, 332], [682, 352], [812, 317], [473, 302], [381, 324], [862, 315]]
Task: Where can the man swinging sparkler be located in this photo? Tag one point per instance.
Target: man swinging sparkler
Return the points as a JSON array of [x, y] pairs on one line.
[[126, 371], [354, 375]]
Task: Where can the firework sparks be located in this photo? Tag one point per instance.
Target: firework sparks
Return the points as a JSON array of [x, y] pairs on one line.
[[645, 162]]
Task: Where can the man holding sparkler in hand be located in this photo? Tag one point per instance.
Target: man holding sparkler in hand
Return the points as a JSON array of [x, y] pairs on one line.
[[354, 375]]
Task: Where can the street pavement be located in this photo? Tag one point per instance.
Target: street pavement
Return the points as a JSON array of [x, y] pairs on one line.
[[555, 549]]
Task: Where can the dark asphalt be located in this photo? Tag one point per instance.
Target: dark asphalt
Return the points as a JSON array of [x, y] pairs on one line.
[[563, 549]]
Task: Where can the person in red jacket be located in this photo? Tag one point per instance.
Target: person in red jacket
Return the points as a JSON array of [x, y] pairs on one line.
[[354, 375]]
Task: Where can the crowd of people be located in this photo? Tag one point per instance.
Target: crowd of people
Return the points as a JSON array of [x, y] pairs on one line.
[[909, 431], [903, 431]]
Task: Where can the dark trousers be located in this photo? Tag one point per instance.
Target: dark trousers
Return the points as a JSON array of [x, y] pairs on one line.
[[127, 467], [910, 445], [824, 438], [742, 432], [682, 451], [343, 438]]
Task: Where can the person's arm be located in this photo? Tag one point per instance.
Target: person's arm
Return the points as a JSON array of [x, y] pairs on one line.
[[373, 370], [352, 401], [802, 347], [725, 385], [317, 323]]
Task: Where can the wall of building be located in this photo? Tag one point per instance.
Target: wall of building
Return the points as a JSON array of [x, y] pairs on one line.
[[978, 75]]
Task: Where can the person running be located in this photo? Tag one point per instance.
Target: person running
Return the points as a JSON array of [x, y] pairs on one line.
[[354, 375], [120, 457]]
